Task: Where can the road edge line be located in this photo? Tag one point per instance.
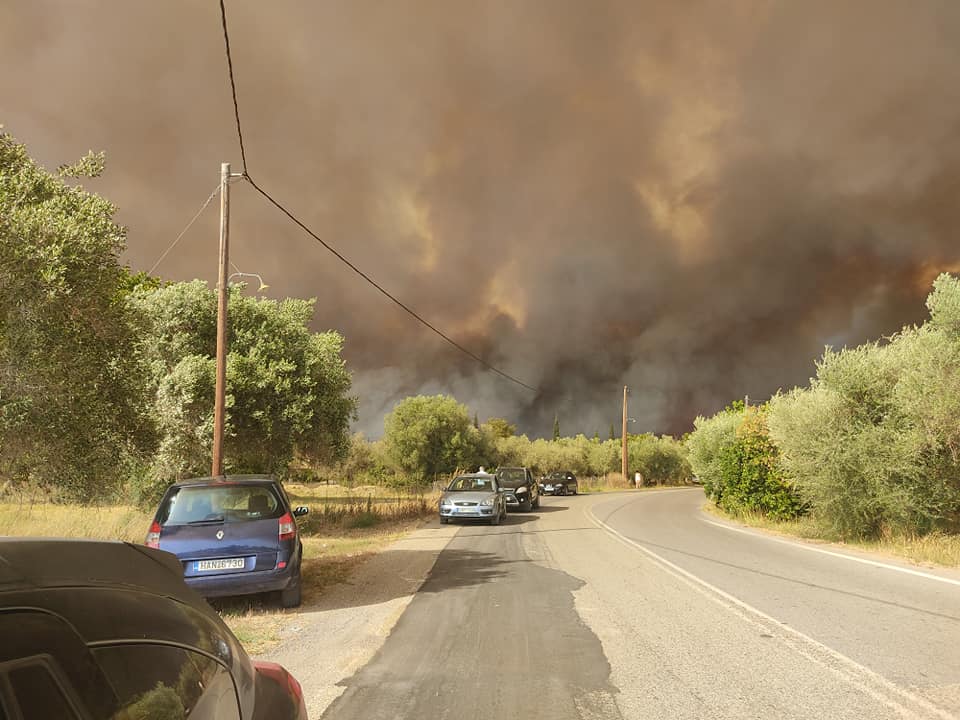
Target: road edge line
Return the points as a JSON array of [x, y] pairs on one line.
[[832, 553], [718, 595]]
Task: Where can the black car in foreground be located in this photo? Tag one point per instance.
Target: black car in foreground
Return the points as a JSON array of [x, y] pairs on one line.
[[561, 482], [520, 488], [109, 631]]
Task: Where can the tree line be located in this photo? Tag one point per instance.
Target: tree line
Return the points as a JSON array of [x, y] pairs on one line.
[[428, 438]]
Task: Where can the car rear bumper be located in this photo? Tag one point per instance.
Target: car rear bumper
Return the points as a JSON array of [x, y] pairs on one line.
[[248, 583]]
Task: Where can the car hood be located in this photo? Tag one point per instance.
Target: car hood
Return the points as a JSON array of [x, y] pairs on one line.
[[477, 496]]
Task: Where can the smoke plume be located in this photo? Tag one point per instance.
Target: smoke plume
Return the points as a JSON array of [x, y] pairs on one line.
[[689, 198]]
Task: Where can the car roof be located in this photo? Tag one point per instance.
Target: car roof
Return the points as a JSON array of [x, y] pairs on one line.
[[113, 591], [477, 475], [226, 480], [29, 564]]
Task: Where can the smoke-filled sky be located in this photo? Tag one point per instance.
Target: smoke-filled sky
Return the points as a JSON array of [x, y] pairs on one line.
[[690, 198]]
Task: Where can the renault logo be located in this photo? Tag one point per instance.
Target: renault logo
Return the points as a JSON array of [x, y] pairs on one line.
[[219, 534]]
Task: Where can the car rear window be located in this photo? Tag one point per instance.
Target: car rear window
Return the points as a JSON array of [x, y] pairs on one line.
[[512, 475], [223, 503], [471, 484], [156, 681]]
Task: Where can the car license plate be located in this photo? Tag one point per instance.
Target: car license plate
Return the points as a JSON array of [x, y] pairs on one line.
[[225, 564]]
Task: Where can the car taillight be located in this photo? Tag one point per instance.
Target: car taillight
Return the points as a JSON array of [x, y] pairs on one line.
[[288, 528], [153, 536], [282, 677]]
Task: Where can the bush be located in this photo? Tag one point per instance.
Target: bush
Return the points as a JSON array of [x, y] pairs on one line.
[[751, 478], [873, 443], [706, 443]]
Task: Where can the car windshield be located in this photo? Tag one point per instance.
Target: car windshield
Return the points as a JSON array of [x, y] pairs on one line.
[[471, 484], [220, 503], [557, 476], [512, 477]]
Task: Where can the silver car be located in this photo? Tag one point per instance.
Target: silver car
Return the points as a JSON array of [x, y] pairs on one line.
[[476, 496]]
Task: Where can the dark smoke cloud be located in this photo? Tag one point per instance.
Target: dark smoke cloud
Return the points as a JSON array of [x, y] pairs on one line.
[[690, 198]]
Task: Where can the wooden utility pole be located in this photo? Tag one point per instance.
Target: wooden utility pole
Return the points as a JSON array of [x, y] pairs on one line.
[[219, 406], [623, 438]]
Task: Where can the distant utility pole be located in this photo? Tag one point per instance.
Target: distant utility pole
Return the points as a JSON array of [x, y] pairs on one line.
[[623, 438], [219, 404]]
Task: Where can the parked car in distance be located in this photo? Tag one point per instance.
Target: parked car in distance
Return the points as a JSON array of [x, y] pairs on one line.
[[109, 630], [561, 482], [520, 487], [235, 535], [475, 496]]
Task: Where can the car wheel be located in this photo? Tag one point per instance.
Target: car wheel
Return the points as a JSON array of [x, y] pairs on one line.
[[525, 505], [575, 488], [444, 521], [291, 596]]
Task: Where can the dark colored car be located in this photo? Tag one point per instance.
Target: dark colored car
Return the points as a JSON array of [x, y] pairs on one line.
[[520, 488], [559, 483], [475, 496], [234, 536], [109, 631]]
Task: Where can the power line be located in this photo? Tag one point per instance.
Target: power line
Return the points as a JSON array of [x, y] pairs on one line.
[[383, 291], [277, 204], [184, 231], [233, 85]]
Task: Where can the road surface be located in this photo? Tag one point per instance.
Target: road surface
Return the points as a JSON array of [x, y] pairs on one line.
[[638, 605]]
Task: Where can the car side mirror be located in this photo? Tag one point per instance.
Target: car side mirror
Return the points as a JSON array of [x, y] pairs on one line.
[[500, 489], [300, 511]]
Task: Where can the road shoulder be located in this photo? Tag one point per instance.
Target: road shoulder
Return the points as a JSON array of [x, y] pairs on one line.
[[330, 640]]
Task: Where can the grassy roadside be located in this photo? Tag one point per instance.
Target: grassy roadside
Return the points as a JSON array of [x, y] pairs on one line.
[[344, 528], [935, 549]]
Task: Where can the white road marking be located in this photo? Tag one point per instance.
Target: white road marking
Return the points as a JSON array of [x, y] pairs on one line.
[[814, 651], [844, 556]]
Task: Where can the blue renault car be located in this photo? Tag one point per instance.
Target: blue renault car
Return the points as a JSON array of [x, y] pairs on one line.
[[234, 535]]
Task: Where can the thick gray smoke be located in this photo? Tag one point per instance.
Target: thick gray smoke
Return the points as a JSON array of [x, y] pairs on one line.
[[688, 198]]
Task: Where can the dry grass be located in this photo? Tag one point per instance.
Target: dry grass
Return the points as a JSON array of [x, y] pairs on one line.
[[613, 482], [338, 507], [344, 527], [937, 549], [44, 519]]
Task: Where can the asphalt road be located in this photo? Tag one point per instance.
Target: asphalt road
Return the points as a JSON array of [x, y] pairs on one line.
[[640, 606]]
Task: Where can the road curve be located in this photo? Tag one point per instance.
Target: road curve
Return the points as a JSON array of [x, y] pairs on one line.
[[636, 605]]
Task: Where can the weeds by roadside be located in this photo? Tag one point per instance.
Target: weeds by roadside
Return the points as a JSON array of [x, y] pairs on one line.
[[935, 548]]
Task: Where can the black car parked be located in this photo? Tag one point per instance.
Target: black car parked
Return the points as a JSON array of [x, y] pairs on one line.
[[561, 482], [107, 630], [520, 489]]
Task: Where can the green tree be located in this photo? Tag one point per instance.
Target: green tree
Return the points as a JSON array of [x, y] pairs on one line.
[[556, 427], [287, 388], [500, 428], [429, 436], [73, 406]]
